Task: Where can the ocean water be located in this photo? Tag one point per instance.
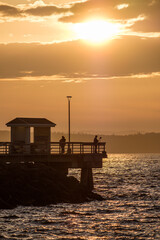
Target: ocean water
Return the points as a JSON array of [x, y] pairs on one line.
[[130, 184]]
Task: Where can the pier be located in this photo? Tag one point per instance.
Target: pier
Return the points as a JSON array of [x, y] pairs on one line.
[[83, 155]]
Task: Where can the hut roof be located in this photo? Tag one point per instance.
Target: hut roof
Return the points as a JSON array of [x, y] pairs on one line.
[[31, 122]]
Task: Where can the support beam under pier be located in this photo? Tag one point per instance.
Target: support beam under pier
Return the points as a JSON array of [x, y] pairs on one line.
[[87, 178]]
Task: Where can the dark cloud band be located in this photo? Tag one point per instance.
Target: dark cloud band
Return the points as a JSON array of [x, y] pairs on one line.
[[6, 10], [141, 56], [41, 11]]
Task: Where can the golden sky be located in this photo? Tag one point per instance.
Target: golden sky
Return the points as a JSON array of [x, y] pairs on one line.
[[106, 54]]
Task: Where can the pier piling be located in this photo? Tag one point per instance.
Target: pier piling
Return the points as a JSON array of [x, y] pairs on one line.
[[87, 178]]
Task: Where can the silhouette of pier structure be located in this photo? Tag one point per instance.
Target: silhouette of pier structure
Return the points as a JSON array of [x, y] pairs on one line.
[[42, 151]]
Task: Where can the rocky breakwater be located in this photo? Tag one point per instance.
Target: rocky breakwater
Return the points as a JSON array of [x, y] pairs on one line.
[[39, 185]]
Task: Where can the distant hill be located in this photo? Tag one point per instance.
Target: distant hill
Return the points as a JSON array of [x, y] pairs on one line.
[[139, 143], [136, 143]]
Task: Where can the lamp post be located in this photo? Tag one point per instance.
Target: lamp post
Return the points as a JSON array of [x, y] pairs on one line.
[[69, 123]]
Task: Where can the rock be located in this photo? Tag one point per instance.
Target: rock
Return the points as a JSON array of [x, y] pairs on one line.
[[39, 185]]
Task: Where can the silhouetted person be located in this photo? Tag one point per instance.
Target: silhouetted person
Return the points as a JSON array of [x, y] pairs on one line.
[[62, 143], [95, 141]]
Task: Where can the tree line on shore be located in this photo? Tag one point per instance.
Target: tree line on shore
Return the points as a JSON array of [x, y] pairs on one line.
[[132, 143]]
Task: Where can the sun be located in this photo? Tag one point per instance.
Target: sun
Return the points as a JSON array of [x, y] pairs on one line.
[[96, 31]]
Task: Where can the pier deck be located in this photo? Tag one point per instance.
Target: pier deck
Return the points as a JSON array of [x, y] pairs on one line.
[[76, 154]]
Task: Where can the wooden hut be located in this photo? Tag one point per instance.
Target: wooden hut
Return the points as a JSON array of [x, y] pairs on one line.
[[21, 135]]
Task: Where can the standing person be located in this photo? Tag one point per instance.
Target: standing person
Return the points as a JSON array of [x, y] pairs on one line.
[[62, 142], [95, 141]]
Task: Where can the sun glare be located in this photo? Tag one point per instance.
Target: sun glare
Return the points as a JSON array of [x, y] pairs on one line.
[[96, 31]]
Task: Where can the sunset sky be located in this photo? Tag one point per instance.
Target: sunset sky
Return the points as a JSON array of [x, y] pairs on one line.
[[104, 53]]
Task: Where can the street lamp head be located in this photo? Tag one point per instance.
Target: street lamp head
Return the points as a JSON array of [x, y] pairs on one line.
[[69, 97]]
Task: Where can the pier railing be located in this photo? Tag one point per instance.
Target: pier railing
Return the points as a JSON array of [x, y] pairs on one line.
[[7, 148]]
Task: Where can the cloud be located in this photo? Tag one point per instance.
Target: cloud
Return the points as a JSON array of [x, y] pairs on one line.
[[118, 10], [77, 59], [150, 24], [6, 10], [45, 11], [24, 10], [115, 10]]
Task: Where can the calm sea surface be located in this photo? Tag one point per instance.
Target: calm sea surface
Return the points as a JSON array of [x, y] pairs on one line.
[[130, 183]]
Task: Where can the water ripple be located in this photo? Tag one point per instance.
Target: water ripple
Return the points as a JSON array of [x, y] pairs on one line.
[[130, 184]]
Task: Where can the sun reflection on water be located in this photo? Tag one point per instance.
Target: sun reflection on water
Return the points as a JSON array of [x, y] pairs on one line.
[[130, 185]]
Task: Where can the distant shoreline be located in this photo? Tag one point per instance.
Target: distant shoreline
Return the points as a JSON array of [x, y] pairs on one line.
[[132, 143]]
